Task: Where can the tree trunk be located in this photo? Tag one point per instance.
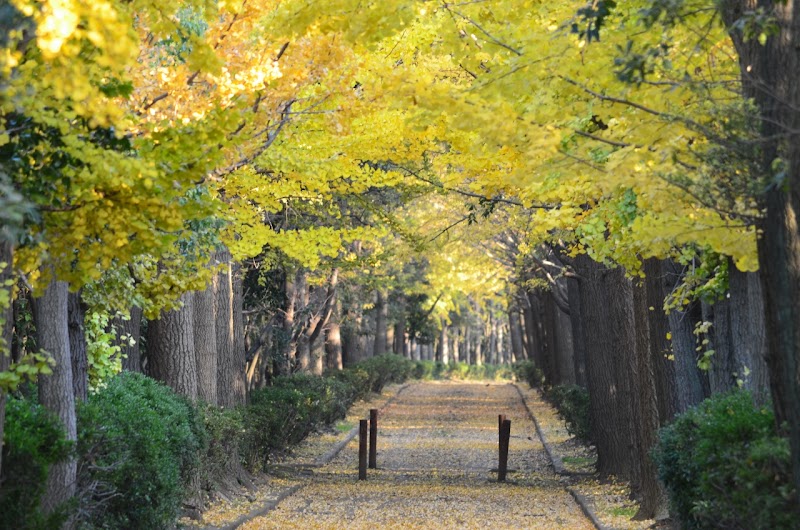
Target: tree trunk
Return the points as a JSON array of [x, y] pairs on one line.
[[770, 75], [224, 328], [238, 373], [132, 329], [576, 325], [303, 344], [6, 327], [399, 347], [287, 344], [56, 391], [515, 328], [666, 386], [170, 348], [333, 344], [381, 322], [692, 384], [205, 341], [737, 337], [564, 346], [547, 308], [77, 346], [529, 321], [444, 344], [606, 307], [455, 351], [749, 332], [652, 496]]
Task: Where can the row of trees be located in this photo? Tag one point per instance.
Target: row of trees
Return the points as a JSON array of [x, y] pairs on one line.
[[218, 193]]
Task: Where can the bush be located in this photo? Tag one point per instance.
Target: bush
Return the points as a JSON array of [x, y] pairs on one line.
[[385, 369], [423, 370], [528, 372], [357, 379], [327, 398], [724, 466], [572, 402], [140, 444], [225, 429], [34, 440]]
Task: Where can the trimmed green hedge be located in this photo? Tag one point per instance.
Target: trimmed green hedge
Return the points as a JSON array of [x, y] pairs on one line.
[[725, 466], [140, 444]]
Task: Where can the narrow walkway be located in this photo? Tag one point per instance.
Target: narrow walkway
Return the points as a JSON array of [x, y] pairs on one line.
[[437, 448]]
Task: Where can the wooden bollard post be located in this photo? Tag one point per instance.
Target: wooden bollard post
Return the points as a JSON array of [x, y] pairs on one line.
[[505, 436], [362, 450], [373, 438], [500, 419]]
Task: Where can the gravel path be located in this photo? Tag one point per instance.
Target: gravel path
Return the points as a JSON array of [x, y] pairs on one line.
[[437, 448]]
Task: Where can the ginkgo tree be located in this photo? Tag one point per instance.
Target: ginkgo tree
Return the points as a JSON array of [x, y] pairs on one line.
[[155, 145]]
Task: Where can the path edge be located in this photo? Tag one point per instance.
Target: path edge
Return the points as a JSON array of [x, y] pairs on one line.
[[336, 449], [558, 466], [321, 461], [555, 460], [586, 508]]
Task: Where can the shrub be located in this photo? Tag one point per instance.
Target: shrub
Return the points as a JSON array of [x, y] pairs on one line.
[[34, 440], [459, 370], [528, 372], [328, 399], [385, 369], [357, 379], [275, 418], [572, 402], [423, 370], [724, 466], [226, 432], [140, 444]]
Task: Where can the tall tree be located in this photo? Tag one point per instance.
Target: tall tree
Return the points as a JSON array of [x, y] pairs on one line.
[[171, 356], [56, 392]]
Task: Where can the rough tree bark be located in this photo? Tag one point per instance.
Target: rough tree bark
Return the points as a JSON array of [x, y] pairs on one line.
[[771, 77], [652, 495], [737, 337], [77, 346], [564, 347], [691, 383], [239, 364], [576, 324], [205, 341], [658, 326], [223, 327], [606, 307], [56, 391], [170, 348]]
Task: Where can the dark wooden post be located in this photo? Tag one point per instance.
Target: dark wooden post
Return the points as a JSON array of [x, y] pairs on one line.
[[373, 438], [362, 450], [505, 436], [500, 419]]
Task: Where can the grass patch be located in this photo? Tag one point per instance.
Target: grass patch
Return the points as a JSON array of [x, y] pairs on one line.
[[624, 511], [580, 461], [344, 426]]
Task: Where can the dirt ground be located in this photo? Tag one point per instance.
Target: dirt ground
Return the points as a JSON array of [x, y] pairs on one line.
[[437, 455]]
